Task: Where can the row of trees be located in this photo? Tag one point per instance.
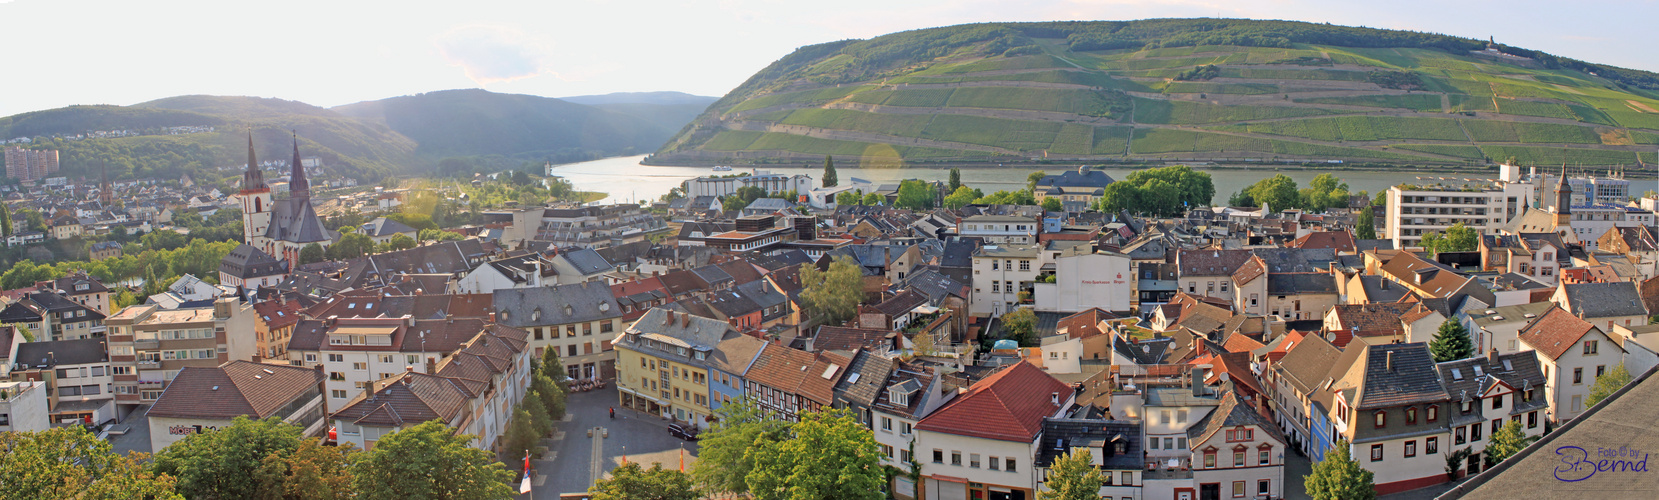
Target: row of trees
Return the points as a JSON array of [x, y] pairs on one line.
[[1162, 192], [543, 404], [254, 459], [747, 453], [1280, 192]]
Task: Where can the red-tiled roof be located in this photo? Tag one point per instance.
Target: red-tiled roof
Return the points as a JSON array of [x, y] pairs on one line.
[[1007, 406], [1555, 332]]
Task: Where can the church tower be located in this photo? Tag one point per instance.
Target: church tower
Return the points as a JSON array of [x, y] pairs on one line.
[[1563, 201], [106, 197], [299, 189], [256, 198]]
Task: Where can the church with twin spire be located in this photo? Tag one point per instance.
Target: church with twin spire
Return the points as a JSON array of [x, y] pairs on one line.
[[280, 228]]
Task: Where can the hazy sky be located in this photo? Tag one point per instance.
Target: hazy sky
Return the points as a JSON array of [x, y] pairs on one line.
[[63, 52]]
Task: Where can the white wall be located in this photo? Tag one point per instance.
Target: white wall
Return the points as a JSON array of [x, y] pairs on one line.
[[1091, 280]]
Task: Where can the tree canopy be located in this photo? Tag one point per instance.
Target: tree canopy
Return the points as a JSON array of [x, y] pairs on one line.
[[630, 481], [1458, 238], [723, 462], [402, 465], [70, 462], [834, 293], [1073, 477], [829, 454], [227, 462], [1607, 384], [1339, 477], [915, 195]]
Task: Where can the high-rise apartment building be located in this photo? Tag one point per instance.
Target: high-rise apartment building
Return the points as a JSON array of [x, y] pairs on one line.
[[30, 164]]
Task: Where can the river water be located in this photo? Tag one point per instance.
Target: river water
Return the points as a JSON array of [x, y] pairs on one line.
[[625, 180]]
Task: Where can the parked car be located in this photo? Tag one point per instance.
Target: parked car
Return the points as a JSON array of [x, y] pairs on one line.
[[682, 432]]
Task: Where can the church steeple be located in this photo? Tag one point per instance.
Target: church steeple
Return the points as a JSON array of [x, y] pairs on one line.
[[105, 196], [1563, 199], [253, 178], [298, 188]]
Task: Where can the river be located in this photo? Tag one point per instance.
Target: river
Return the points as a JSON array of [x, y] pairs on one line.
[[625, 180]]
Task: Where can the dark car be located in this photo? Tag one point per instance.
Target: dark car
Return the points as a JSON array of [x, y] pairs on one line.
[[682, 432]]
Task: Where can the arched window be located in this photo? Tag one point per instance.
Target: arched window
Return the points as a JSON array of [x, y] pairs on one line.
[[1381, 417], [258, 204]]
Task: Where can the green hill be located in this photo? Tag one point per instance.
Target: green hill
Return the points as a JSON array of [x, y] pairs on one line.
[[477, 122], [400, 136], [1205, 89]]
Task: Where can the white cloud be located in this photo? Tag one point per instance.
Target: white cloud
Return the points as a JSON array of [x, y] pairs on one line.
[[492, 54]]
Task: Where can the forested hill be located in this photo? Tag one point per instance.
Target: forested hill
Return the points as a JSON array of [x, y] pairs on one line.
[[477, 122], [1204, 89], [400, 136]]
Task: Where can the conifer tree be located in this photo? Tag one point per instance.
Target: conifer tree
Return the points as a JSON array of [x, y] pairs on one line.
[[829, 172], [1451, 343]]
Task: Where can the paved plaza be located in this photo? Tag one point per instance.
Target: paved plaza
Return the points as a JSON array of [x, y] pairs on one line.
[[574, 462]]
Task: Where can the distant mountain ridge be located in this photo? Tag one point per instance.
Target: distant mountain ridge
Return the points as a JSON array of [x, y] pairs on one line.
[[369, 140], [1222, 90], [665, 98]]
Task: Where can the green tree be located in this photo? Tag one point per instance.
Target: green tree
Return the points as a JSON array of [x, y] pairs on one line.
[[828, 455], [1032, 178], [551, 393], [1051, 204], [1366, 228], [311, 253], [723, 462], [630, 481], [1007, 198], [351, 246], [960, 197], [1458, 238], [955, 179], [1607, 384], [830, 180], [1323, 192], [834, 293], [5, 220], [847, 198], [225, 462], [1021, 325], [874, 199], [521, 436], [915, 195], [541, 422], [311, 472], [1508, 441], [33, 220], [401, 242], [554, 367], [403, 464], [1073, 477], [1241, 198], [1278, 193], [1339, 477], [1451, 343], [70, 462]]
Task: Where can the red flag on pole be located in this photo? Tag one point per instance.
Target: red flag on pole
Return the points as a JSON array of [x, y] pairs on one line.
[[682, 458]]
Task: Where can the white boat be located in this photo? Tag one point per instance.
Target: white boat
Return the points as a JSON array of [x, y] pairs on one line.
[[722, 168]]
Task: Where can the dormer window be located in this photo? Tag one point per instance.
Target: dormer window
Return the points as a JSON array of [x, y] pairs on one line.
[[1434, 413], [1411, 416], [1381, 418]]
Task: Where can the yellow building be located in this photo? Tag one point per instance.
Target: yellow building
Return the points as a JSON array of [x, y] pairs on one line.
[[663, 364]]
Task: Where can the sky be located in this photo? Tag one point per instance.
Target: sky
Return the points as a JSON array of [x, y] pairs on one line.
[[329, 53]]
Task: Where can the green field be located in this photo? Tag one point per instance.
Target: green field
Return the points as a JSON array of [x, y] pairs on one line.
[[1496, 131], [1418, 102], [1221, 88], [1018, 135], [804, 96], [841, 119], [1530, 155], [1361, 128], [1082, 102], [1197, 113], [1469, 152]]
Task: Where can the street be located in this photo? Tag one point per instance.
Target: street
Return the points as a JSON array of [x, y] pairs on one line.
[[573, 461]]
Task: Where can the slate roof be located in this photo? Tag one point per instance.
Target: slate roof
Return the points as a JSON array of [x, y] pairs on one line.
[[1379, 289], [935, 285], [1413, 378], [247, 262], [1603, 300], [64, 352], [556, 305], [1009, 406], [408, 398], [734, 355], [1210, 262], [1072, 178], [383, 227], [296, 221], [866, 387], [1300, 283], [1555, 332], [1518, 370], [697, 331], [1231, 413], [586, 261], [434, 306], [234, 389]]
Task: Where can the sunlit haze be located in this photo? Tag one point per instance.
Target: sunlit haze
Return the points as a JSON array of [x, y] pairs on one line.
[[332, 53]]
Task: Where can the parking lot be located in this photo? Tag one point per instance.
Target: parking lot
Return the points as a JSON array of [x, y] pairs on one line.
[[572, 462]]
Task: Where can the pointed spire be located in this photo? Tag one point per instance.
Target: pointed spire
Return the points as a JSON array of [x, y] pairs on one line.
[[253, 178], [298, 188]]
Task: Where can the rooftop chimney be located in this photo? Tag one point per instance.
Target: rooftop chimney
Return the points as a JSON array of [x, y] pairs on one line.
[[431, 365], [668, 319], [1388, 361], [1492, 356], [1054, 397], [685, 321]]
